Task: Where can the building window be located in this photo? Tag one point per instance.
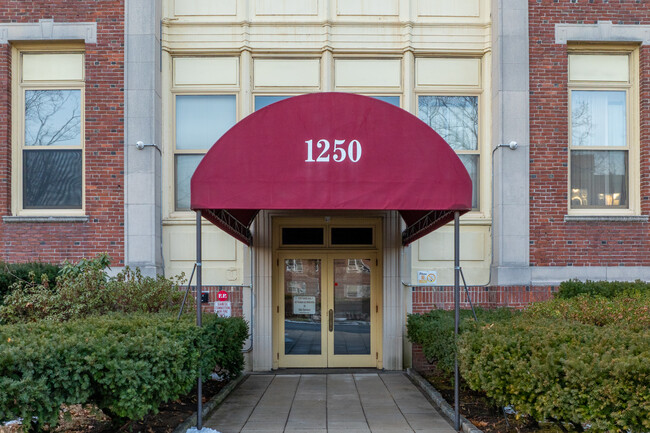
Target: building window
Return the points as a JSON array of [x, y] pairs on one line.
[[455, 118], [51, 144], [200, 121], [600, 92]]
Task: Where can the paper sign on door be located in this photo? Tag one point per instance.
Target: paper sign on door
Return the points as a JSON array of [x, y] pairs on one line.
[[304, 305]]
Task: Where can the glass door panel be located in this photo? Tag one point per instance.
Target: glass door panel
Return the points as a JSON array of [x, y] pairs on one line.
[[302, 307], [351, 307]]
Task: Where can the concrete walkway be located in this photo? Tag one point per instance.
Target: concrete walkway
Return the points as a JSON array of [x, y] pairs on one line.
[[315, 403]]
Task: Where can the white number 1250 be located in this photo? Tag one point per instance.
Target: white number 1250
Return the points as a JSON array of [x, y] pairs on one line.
[[339, 154]]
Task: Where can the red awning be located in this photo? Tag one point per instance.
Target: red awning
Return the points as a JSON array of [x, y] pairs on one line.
[[331, 151]]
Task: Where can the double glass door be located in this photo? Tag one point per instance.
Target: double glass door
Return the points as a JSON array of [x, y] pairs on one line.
[[328, 310]]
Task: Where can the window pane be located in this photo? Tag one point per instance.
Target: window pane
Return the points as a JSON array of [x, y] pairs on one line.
[[598, 118], [455, 118], [202, 119], [471, 163], [302, 307], [53, 117], [390, 99], [52, 179], [598, 179], [185, 166], [351, 236], [263, 101], [302, 236]]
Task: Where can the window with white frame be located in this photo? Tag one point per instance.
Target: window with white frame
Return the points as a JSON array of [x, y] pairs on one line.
[[600, 94], [455, 119], [50, 140], [200, 121]]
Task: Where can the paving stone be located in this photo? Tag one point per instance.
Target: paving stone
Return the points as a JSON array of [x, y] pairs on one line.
[[331, 403]]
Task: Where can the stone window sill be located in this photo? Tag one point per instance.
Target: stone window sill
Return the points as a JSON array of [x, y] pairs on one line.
[[607, 218], [45, 219]]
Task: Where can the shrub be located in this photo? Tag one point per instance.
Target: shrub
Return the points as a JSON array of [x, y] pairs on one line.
[[434, 331], [125, 364], [608, 289], [563, 370], [13, 273], [85, 289], [630, 312]]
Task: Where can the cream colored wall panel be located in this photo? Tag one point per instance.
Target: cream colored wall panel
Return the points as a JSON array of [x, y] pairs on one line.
[[435, 252], [286, 7], [222, 256], [367, 73], [216, 245], [205, 7], [54, 67], [447, 72], [604, 67], [206, 71], [449, 8], [439, 245], [286, 72], [367, 7]]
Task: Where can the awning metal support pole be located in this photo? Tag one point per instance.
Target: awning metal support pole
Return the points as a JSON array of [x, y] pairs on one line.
[[456, 316], [199, 410]]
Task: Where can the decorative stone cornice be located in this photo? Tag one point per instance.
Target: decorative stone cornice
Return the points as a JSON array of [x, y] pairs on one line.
[[46, 30], [603, 31]]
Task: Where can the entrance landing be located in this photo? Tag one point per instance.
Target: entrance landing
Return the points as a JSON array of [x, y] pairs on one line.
[[315, 403]]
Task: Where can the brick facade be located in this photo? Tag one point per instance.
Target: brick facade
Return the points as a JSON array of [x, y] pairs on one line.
[[104, 140], [427, 298], [555, 242]]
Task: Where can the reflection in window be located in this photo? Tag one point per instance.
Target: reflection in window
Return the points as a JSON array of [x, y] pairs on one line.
[[264, 101], [52, 154], [185, 166], [598, 118], [52, 179], [302, 307], [200, 121], [393, 100], [455, 119], [53, 117], [599, 177]]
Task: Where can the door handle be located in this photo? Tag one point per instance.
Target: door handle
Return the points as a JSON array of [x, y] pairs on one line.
[[331, 317]]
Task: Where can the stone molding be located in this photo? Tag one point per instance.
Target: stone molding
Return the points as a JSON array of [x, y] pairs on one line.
[[603, 31], [48, 30], [45, 219]]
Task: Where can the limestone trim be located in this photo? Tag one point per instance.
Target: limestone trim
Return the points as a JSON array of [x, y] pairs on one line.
[[45, 30], [603, 31]]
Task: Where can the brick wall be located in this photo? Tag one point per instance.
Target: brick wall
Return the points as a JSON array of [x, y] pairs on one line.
[[235, 296], [442, 297], [553, 241], [104, 129]]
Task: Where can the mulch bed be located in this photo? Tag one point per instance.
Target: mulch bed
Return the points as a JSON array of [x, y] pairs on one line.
[[476, 408], [78, 419]]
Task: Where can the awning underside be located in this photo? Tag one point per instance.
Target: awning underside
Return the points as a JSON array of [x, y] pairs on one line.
[[331, 151], [240, 228]]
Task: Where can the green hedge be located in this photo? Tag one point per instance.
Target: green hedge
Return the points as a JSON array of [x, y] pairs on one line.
[[125, 364], [563, 370], [10, 273], [607, 289], [627, 311], [434, 331]]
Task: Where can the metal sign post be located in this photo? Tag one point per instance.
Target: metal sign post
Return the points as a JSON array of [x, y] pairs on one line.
[[199, 410], [456, 316]]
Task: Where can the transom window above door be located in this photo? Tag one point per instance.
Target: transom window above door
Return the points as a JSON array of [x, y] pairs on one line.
[[327, 232], [324, 236]]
